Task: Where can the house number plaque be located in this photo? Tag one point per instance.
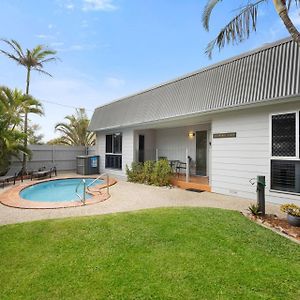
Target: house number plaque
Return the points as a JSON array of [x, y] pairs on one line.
[[224, 135]]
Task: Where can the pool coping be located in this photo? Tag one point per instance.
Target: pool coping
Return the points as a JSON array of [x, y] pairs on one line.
[[12, 198]]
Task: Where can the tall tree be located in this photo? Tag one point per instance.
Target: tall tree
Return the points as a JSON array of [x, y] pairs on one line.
[[245, 21], [13, 105], [75, 130], [34, 137], [32, 60]]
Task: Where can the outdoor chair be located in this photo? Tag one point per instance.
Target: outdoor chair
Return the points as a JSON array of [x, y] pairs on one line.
[[44, 172], [179, 166], [173, 164], [11, 175]]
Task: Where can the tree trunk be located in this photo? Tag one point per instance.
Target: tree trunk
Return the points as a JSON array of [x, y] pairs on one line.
[[280, 6], [24, 162]]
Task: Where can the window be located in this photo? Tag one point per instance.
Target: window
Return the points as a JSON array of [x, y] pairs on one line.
[[284, 135], [284, 174], [114, 143], [117, 143], [109, 144], [285, 162], [113, 149]]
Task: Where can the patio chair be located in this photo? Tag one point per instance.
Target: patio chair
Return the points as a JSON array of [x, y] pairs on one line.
[[181, 166], [11, 175], [173, 164], [44, 172]]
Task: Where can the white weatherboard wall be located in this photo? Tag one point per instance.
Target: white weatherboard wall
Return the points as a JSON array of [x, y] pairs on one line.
[[236, 160], [127, 150], [172, 143]]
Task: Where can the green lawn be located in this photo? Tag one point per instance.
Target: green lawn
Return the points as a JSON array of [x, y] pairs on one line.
[[180, 253]]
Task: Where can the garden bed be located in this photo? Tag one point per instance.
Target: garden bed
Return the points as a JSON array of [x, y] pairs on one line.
[[278, 224]]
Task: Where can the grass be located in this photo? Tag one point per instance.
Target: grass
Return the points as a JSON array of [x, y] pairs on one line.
[[180, 253]]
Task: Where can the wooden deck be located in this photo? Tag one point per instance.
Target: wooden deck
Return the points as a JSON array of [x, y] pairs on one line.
[[195, 182]]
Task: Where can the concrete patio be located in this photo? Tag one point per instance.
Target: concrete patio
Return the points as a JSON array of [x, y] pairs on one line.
[[127, 196]]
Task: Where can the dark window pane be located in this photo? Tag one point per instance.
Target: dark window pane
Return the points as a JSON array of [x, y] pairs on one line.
[[284, 135], [285, 176], [117, 143], [113, 161], [108, 144]]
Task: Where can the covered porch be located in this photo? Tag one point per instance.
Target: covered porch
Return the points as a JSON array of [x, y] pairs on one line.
[[187, 148]]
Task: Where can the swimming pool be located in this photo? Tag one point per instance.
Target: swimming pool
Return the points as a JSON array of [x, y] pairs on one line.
[[58, 190]]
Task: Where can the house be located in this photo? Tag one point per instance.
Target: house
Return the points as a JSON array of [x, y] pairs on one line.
[[236, 119]]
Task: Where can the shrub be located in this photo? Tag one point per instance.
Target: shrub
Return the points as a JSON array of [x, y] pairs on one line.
[[149, 166], [291, 209], [162, 173], [151, 172], [136, 173]]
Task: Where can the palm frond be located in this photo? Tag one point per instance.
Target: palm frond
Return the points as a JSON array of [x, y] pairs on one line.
[[238, 28], [210, 5], [49, 59], [15, 46], [289, 3], [13, 57], [42, 71]]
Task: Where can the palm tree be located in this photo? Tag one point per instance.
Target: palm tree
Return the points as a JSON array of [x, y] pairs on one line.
[[75, 130], [17, 105], [13, 106], [32, 60], [238, 29]]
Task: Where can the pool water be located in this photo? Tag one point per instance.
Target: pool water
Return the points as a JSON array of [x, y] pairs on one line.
[[59, 190]]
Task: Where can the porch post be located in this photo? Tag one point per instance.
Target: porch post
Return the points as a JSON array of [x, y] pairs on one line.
[[187, 170], [156, 154]]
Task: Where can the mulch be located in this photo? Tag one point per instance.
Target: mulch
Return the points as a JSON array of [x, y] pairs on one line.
[[278, 224]]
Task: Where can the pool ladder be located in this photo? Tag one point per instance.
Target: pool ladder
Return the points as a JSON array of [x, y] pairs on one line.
[[86, 187]]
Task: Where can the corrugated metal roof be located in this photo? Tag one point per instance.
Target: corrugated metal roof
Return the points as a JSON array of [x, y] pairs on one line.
[[267, 73]]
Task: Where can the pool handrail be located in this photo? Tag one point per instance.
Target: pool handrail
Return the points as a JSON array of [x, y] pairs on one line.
[[82, 199], [99, 177]]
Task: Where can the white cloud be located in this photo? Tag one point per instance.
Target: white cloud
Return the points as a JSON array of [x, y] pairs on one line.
[[66, 4], [104, 5], [70, 6], [114, 82], [44, 36]]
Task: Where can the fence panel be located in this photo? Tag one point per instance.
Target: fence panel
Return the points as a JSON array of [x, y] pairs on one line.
[[63, 157]]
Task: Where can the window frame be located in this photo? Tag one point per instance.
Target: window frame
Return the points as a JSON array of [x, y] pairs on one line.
[[296, 157], [284, 158], [112, 143], [116, 154]]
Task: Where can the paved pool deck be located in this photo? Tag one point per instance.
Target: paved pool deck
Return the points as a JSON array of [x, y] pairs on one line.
[[126, 197]]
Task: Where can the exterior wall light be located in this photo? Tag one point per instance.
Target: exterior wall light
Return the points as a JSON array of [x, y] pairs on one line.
[[191, 134]]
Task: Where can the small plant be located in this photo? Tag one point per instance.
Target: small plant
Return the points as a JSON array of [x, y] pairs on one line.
[[291, 209], [254, 210]]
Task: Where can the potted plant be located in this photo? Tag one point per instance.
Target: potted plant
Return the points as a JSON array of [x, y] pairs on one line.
[[293, 213]]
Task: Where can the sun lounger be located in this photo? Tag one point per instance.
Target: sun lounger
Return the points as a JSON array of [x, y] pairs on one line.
[[44, 172], [11, 175]]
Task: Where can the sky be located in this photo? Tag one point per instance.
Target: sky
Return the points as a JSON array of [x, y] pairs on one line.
[[110, 49]]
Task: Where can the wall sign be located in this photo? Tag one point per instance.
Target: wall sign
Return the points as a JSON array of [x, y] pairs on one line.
[[224, 135]]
